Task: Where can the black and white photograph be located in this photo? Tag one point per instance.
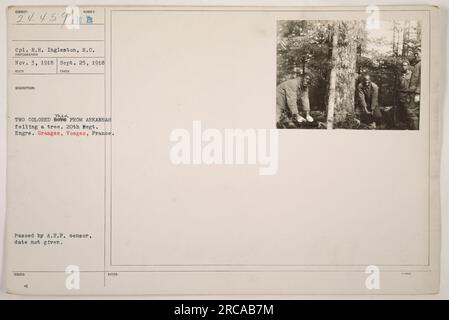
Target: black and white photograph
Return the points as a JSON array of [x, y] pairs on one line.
[[143, 157], [348, 74]]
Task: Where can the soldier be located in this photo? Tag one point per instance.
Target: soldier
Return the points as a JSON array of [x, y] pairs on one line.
[[408, 96], [291, 96], [367, 105], [415, 86]]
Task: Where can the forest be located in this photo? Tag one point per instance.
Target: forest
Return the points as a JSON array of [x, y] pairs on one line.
[[336, 53]]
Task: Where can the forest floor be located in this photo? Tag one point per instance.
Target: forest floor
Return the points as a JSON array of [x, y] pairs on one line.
[[320, 122]]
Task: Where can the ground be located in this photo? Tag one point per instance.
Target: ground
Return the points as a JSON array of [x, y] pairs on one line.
[[351, 122]]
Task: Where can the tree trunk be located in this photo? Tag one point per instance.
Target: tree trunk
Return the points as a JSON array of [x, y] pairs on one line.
[[343, 72], [332, 79], [405, 38], [418, 31], [395, 45]]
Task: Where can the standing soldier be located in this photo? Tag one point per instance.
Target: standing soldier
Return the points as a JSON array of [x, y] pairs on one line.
[[415, 85], [408, 106], [291, 96]]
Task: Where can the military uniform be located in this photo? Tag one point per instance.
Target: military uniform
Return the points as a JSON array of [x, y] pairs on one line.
[[408, 87], [290, 98], [415, 85], [367, 98]]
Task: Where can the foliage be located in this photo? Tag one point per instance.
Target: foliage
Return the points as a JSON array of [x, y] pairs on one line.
[[305, 46]]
